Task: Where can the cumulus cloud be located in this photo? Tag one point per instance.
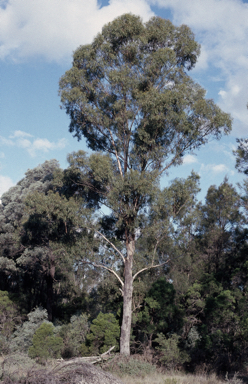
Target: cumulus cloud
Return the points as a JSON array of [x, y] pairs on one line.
[[19, 133], [189, 159], [5, 184], [54, 28], [32, 145], [6, 141], [216, 169], [219, 168], [45, 145]]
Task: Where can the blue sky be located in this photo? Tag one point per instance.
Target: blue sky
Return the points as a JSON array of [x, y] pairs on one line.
[[37, 38]]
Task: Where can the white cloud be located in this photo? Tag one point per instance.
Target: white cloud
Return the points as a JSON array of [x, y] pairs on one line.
[[45, 145], [23, 143], [5, 184], [5, 141], [216, 169], [219, 168], [235, 97], [189, 159], [54, 28], [33, 145], [19, 133]]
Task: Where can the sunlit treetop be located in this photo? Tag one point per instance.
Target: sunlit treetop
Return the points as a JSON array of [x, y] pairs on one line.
[[129, 94]]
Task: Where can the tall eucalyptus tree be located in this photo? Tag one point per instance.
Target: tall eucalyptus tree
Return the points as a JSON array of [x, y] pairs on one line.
[[129, 94]]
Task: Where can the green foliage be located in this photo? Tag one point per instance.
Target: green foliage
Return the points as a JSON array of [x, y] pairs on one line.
[[159, 312], [241, 154], [22, 337], [193, 338], [49, 233], [8, 319], [8, 314], [21, 263], [133, 62], [44, 344], [172, 356], [74, 335], [104, 334]]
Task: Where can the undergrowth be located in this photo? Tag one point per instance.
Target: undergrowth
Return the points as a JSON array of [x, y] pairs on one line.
[[19, 369]]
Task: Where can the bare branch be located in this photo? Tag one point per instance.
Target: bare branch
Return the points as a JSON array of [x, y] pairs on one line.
[[151, 266], [112, 245], [122, 293], [104, 267]]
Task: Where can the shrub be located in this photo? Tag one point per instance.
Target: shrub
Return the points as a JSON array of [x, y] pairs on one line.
[[170, 354], [8, 320], [129, 365], [22, 337], [74, 334], [45, 344], [104, 333]]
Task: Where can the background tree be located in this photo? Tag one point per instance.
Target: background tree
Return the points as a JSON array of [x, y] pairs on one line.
[[38, 230], [49, 231], [9, 318], [213, 298], [12, 279], [130, 96], [159, 313]]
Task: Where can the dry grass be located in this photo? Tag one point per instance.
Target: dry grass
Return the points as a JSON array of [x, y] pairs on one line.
[[174, 378], [19, 366]]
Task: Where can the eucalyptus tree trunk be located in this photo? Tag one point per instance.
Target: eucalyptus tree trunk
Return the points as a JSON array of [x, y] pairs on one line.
[[127, 298]]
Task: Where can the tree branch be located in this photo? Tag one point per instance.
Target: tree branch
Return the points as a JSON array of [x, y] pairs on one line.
[[108, 269], [112, 245], [116, 153], [151, 266]]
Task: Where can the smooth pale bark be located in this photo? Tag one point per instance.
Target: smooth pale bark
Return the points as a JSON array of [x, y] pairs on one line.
[[127, 299]]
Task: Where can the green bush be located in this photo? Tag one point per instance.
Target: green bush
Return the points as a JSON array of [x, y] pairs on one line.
[[169, 352], [45, 344], [22, 337], [104, 334], [8, 320], [73, 335]]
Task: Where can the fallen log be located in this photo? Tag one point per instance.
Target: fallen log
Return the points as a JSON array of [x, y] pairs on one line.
[[81, 360]]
